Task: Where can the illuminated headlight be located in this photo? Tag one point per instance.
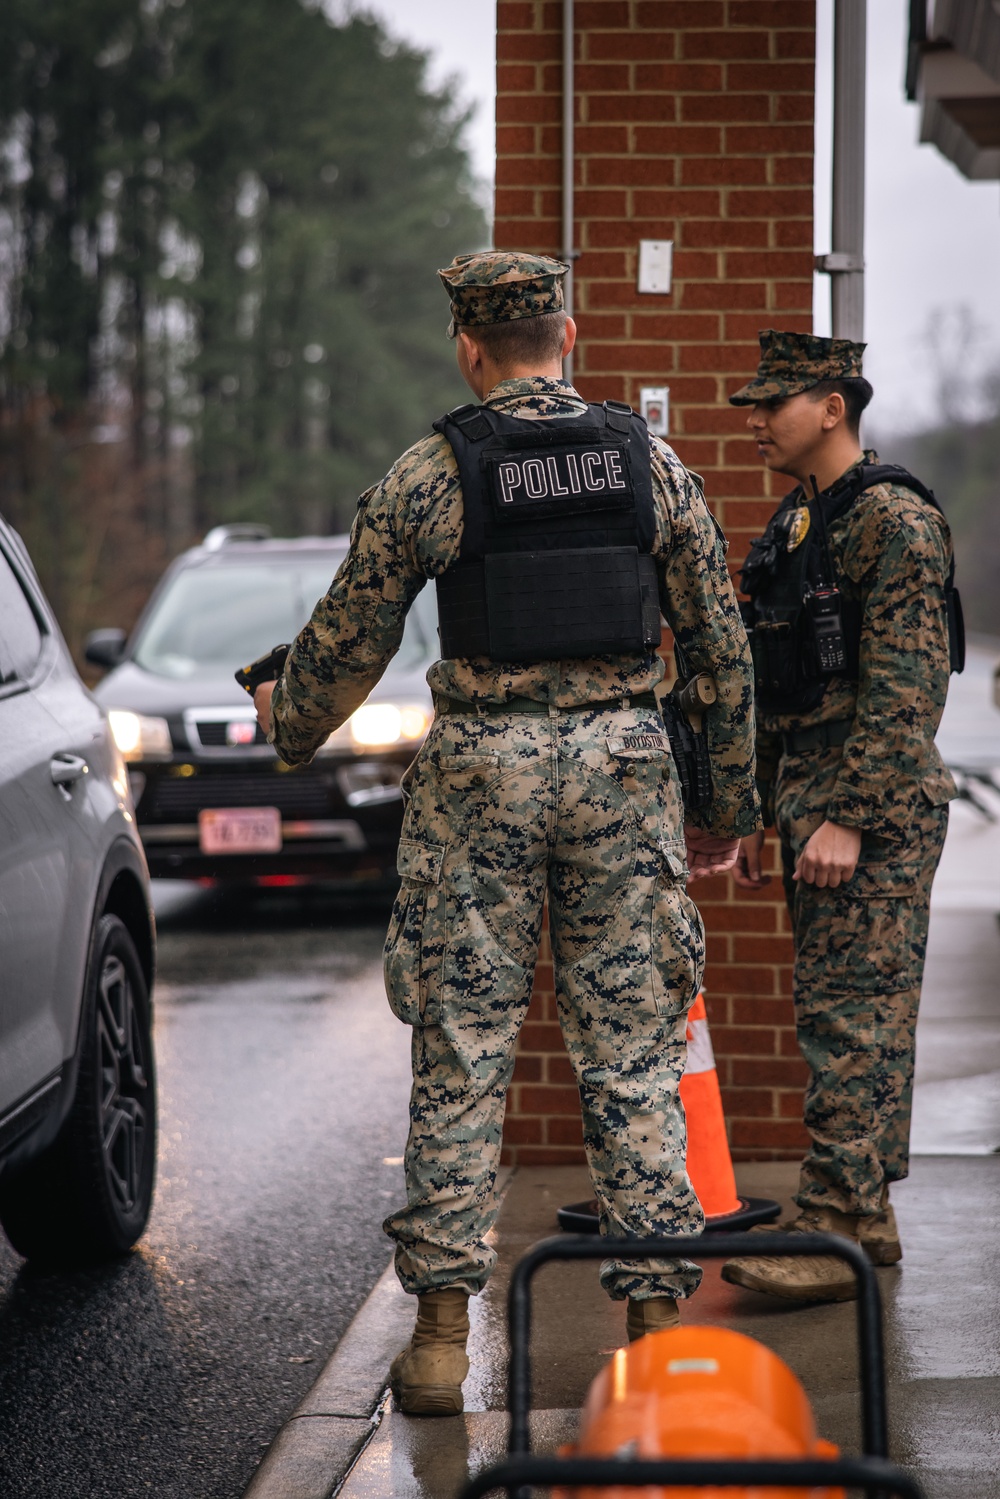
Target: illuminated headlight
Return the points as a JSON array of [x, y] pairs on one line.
[[389, 723], [139, 737]]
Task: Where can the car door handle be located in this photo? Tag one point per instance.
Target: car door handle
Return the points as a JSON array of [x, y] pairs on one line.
[[65, 769]]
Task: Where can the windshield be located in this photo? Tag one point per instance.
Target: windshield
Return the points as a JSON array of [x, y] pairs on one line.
[[217, 618]]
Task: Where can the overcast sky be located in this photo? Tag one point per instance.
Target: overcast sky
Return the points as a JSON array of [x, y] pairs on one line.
[[933, 239]]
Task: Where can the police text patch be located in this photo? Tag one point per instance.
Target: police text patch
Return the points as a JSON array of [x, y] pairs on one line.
[[566, 478]]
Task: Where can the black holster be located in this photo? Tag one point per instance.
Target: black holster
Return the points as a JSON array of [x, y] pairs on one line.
[[690, 751]]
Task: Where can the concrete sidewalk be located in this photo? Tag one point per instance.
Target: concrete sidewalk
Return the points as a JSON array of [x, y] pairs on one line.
[[942, 1305], [942, 1311]]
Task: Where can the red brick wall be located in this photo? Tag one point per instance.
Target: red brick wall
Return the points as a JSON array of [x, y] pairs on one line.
[[693, 123]]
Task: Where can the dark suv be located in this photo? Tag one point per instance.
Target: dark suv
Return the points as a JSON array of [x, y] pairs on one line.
[[212, 798]]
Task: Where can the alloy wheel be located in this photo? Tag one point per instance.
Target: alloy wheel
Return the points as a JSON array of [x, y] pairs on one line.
[[123, 1083]]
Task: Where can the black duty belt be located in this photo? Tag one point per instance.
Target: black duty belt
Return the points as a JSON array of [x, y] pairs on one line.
[[819, 736], [457, 708]]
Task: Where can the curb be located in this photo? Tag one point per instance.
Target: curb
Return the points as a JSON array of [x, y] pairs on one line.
[[313, 1452]]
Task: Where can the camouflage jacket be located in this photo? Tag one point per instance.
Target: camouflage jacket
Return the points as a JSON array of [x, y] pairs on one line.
[[892, 552], [408, 529]]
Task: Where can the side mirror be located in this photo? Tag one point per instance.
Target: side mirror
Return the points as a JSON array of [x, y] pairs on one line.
[[104, 647]]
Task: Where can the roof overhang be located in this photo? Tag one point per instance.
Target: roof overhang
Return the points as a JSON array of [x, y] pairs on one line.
[[953, 71]]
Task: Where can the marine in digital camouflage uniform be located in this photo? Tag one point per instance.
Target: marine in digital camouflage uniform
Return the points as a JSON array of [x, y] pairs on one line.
[[863, 758], [546, 779]]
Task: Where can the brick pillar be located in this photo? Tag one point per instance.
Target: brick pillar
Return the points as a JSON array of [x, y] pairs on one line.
[[694, 123]]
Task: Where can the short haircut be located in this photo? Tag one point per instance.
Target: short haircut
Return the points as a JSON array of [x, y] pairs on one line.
[[856, 393], [520, 341]]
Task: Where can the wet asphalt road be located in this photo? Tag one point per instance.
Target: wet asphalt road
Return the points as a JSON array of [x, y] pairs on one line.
[[283, 1089]]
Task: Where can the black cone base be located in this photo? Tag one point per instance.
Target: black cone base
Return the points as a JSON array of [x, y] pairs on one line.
[[582, 1217]]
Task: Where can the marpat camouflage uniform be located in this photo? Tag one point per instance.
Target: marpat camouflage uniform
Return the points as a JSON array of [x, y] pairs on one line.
[[793, 362], [568, 795], [501, 286], [859, 948]]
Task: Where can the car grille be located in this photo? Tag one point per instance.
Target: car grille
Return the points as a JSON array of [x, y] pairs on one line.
[[213, 735], [295, 796]]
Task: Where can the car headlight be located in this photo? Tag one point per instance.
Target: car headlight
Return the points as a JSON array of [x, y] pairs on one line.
[[388, 723], [139, 737]]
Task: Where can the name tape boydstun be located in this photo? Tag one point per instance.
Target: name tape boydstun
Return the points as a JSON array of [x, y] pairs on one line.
[[627, 742]]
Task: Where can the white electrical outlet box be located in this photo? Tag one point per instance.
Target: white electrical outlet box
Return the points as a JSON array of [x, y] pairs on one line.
[[654, 406], [656, 258]]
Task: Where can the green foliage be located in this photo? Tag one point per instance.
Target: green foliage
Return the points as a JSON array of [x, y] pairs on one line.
[[219, 226], [325, 199], [75, 128]]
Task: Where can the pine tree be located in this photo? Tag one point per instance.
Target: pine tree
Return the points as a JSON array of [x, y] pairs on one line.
[[219, 226]]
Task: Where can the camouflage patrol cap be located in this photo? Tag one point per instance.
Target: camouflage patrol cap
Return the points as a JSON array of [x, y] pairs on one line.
[[793, 362], [498, 286]]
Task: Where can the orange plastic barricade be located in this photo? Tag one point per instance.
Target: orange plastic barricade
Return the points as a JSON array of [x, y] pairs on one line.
[[709, 1164], [697, 1392]]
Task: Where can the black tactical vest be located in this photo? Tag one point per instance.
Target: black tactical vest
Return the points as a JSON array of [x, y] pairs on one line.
[[789, 574], [556, 541]]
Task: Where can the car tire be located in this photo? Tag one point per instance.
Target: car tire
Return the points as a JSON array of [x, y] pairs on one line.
[[88, 1196]]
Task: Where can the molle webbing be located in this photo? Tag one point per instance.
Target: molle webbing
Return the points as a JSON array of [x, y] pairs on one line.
[[557, 533], [781, 569], [870, 474]]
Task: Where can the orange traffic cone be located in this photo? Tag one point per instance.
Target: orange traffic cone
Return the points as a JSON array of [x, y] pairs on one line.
[[693, 1392], [709, 1164]]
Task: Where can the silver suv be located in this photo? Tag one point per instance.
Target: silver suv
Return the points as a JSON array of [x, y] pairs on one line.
[[77, 1079]]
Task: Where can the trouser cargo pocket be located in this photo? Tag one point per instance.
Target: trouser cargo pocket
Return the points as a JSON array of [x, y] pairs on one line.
[[867, 936], [860, 938], [677, 938], [415, 944]]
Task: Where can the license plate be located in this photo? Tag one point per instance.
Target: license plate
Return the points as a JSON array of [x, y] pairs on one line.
[[239, 830]]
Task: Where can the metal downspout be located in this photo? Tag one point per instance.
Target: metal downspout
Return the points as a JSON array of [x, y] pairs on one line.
[[568, 161], [846, 263]]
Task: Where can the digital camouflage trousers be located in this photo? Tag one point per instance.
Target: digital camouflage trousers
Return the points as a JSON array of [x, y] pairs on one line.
[[582, 807], [859, 962]]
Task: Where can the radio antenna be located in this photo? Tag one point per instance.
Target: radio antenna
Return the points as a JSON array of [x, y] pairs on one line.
[[824, 534]]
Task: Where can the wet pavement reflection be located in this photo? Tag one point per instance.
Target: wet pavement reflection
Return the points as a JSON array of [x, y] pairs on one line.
[[283, 1081]]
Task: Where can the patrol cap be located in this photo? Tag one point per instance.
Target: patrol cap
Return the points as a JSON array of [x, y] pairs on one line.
[[793, 362], [498, 286]]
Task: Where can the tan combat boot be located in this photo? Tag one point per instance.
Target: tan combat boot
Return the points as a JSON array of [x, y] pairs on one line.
[[879, 1236], [652, 1315], [426, 1378], [812, 1277]]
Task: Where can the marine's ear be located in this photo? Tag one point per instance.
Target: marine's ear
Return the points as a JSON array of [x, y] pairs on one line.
[[470, 362], [834, 410]]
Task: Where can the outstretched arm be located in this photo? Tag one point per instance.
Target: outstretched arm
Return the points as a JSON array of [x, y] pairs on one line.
[[352, 635]]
